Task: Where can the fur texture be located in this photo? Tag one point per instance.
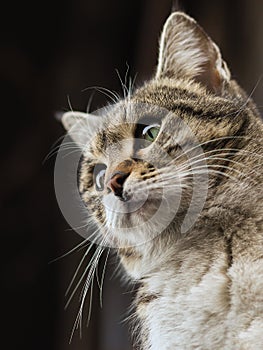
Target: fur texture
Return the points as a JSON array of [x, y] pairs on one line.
[[201, 289]]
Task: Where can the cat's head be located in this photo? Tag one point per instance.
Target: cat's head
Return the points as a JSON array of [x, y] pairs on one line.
[[151, 160]]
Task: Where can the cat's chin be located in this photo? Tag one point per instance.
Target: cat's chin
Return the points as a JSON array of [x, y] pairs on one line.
[[147, 210], [135, 227]]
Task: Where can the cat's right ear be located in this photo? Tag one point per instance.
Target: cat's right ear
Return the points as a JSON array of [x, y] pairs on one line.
[[81, 126]]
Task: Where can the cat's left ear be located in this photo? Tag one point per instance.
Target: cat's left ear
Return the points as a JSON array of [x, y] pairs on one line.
[[81, 126], [187, 51]]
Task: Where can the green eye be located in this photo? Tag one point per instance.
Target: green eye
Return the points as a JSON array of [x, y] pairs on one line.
[[150, 132]]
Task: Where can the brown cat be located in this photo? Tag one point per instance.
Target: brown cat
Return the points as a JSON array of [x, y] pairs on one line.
[[172, 176]]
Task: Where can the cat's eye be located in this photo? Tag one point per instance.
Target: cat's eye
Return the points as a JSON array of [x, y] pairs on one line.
[[151, 132], [99, 176]]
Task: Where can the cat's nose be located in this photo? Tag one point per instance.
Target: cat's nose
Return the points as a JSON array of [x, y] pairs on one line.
[[116, 182]]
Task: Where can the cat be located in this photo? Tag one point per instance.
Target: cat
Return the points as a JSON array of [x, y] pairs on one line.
[[172, 176]]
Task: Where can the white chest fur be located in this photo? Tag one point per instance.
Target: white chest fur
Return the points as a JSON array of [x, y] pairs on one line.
[[223, 310], [182, 317]]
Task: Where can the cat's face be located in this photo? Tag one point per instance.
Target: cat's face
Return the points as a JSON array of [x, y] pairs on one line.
[[134, 176], [151, 159]]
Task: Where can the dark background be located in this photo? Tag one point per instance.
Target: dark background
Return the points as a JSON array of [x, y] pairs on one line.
[[51, 50]]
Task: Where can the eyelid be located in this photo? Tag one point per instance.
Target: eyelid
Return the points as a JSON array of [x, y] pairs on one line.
[[149, 127]]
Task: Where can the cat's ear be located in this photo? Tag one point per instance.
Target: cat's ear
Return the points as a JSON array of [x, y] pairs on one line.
[[187, 51], [81, 126]]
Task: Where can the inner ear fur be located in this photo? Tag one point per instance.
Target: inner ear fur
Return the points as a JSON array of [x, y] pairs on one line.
[[81, 126], [187, 51]]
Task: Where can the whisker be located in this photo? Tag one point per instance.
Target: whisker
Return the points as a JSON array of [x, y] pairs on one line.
[[95, 259], [64, 147], [112, 95], [83, 275], [93, 265], [53, 147], [132, 82], [210, 165], [243, 106], [77, 270], [77, 150], [125, 77], [69, 103], [103, 275], [205, 143], [124, 88], [80, 245], [90, 300], [189, 162], [90, 102], [90, 271], [198, 171]]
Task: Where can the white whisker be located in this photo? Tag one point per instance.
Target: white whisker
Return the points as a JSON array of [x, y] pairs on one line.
[[103, 275], [112, 95]]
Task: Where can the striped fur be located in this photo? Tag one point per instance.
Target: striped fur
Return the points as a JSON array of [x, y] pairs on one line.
[[202, 289]]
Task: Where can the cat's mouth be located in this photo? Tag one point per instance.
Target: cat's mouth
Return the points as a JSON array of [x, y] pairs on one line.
[[128, 203], [138, 219], [133, 209]]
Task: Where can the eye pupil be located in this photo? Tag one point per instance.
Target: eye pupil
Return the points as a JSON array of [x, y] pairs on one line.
[[151, 132]]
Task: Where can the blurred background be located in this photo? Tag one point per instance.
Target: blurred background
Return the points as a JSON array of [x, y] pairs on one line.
[[50, 52]]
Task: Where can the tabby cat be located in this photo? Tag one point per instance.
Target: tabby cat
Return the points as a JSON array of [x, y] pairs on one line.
[[172, 176]]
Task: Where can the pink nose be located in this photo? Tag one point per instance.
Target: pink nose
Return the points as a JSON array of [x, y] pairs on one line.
[[115, 184]]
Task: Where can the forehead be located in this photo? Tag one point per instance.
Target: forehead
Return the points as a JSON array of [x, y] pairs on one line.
[[131, 112], [122, 119]]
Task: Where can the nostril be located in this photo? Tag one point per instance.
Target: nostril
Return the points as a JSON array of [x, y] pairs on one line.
[[116, 182], [120, 180]]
